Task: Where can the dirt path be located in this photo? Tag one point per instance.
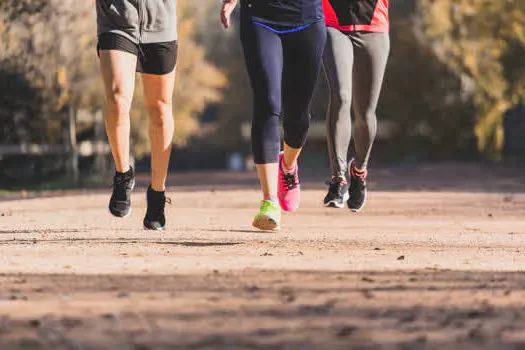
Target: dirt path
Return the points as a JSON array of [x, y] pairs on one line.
[[425, 266]]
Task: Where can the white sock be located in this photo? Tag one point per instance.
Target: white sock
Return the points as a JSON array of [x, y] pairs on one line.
[[289, 171]]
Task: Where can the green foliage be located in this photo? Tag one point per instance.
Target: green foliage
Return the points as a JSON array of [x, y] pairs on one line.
[[21, 113], [49, 49], [15, 9], [455, 66], [60, 72], [422, 98], [198, 83], [483, 43]]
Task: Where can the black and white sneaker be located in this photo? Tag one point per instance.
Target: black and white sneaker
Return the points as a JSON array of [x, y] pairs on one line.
[[155, 218], [120, 202], [358, 189], [337, 193]]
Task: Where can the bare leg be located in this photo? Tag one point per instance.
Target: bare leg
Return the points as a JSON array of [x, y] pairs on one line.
[[268, 178], [118, 72], [158, 92], [290, 156]]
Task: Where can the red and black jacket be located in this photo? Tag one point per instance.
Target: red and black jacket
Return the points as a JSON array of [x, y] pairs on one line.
[[357, 15]]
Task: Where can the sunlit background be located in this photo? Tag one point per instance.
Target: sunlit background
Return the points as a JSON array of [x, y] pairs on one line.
[[454, 91]]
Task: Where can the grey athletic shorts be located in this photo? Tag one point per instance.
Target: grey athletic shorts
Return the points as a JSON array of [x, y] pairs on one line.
[[141, 21], [145, 28]]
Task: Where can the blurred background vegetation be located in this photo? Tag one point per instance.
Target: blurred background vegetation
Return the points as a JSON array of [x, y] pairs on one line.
[[456, 76]]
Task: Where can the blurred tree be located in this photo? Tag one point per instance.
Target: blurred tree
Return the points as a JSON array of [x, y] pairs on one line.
[[455, 66], [198, 83], [422, 98], [223, 49], [63, 71], [13, 9], [483, 43], [423, 106], [66, 70]]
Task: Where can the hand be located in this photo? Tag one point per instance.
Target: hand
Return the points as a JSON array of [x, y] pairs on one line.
[[226, 12]]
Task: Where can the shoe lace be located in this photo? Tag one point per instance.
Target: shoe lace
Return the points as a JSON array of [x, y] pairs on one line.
[[335, 185], [290, 181], [122, 180]]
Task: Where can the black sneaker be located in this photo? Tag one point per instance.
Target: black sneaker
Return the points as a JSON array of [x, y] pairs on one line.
[[337, 193], [120, 202], [155, 218], [357, 190]]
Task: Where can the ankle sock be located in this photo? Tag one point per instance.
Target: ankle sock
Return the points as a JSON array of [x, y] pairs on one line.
[[343, 179], [271, 198], [287, 170], [359, 173]]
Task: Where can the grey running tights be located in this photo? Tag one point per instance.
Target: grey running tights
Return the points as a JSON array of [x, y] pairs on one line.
[[354, 63]]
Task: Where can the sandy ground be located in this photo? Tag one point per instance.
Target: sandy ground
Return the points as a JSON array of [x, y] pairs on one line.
[[436, 261]]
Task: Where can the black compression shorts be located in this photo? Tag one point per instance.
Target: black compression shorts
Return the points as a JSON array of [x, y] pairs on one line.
[[154, 58]]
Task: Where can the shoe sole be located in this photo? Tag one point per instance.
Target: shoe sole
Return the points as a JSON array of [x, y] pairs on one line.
[[266, 223], [335, 205], [129, 211], [121, 216], [163, 228]]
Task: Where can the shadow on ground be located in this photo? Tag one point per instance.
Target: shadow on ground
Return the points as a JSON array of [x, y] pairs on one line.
[[258, 309]]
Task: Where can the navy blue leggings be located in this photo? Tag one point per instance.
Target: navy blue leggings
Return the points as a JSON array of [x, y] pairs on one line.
[[283, 70]]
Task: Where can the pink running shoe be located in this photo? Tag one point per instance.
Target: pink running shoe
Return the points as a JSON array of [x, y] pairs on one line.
[[289, 187]]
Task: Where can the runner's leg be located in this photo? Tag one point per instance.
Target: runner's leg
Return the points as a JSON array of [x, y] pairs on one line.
[[157, 66], [371, 56], [338, 61], [264, 62], [118, 73], [302, 61], [118, 61]]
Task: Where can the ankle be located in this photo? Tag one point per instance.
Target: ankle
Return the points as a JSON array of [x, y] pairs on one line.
[[288, 169], [290, 166], [158, 189], [129, 170], [270, 197], [359, 172]]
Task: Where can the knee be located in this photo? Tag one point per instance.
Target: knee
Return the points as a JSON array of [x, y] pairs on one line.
[[365, 116], [266, 114], [118, 105], [296, 130], [340, 99], [160, 113], [159, 107], [366, 121], [267, 107], [265, 126]]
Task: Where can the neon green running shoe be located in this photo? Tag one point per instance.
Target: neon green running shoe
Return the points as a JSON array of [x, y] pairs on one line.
[[269, 217]]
